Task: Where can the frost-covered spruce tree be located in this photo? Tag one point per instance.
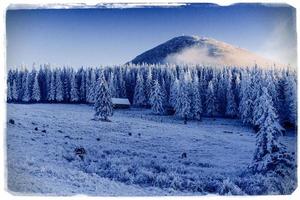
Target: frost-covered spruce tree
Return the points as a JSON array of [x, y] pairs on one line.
[[9, 77], [246, 103], [139, 98], [183, 103], [46, 84], [9, 92], [9, 86], [266, 112], [220, 92], [122, 85], [26, 96], [210, 100], [91, 96], [189, 86], [174, 93], [148, 85], [117, 82], [74, 96], [269, 155], [271, 86], [36, 93], [281, 97], [256, 88], [290, 94], [59, 95], [231, 107], [164, 93], [51, 93], [260, 110], [82, 89], [202, 88], [103, 105], [14, 91], [21, 83], [237, 88], [65, 79], [156, 99], [111, 85], [87, 84], [196, 104], [40, 76]]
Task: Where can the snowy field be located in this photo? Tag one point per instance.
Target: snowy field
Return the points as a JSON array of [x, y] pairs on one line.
[[136, 154]]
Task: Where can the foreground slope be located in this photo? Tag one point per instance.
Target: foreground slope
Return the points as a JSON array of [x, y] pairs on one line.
[[135, 154]]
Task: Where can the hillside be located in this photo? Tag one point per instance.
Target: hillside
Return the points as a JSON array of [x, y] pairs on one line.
[[200, 50]]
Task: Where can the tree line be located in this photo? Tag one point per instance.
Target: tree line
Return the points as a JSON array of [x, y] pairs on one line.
[[189, 91]]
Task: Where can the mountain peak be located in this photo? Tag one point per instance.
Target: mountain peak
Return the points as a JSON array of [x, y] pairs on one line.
[[200, 50]]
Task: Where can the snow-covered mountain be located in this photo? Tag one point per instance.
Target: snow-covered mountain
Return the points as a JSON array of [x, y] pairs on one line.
[[200, 50]]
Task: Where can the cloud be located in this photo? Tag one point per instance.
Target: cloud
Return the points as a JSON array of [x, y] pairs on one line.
[[281, 45], [217, 53], [193, 55]]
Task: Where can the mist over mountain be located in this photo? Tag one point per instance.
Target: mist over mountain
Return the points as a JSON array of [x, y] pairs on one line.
[[201, 50]]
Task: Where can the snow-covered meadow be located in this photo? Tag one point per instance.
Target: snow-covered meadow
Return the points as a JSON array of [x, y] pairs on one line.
[[57, 149]]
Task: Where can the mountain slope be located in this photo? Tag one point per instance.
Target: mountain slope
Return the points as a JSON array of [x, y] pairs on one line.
[[200, 50]]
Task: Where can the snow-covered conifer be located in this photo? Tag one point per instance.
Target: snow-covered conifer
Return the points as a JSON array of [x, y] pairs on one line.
[[269, 155], [103, 105], [66, 85], [87, 84], [21, 84], [246, 103], [231, 107], [92, 94], [51, 93], [270, 84], [9, 92], [210, 100], [59, 97], [183, 104], [148, 85], [196, 103], [174, 93], [26, 96], [156, 99], [14, 91], [256, 84], [82, 89], [164, 93], [36, 93], [122, 85], [139, 97], [220, 92], [111, 85], [290, 95], [117, 84], [237, 88], [74, 89]]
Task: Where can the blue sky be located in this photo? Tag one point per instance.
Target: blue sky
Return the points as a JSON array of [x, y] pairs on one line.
[[93, 37]]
